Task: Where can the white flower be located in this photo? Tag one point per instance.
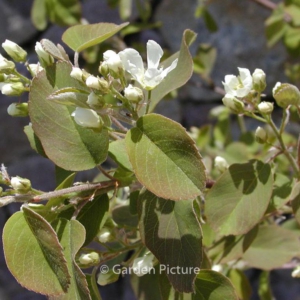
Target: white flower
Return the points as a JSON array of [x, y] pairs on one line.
[[12, 89], [133, 93], [153, 76], [76, 73], [113, 61], [90, 258], [142, 265], [238, 86], [34, 69], [93, 99], [45, 58], [221, 164], [104, 235], [86, 117], [265, 107], [5, 63], [14, 51]]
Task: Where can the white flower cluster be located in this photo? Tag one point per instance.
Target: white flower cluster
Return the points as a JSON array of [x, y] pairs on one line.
[[113, 68]]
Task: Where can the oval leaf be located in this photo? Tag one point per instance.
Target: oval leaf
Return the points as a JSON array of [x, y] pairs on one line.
[[272, 247], [173, 234], [239, 199], [80, 37], [71, 235], [34, 255], [181, 74], [165, 158], [211, 285], [67, 144], [53, 50]]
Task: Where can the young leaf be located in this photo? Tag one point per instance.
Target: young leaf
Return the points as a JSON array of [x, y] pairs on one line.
[[53, 50], [80, 37], [34, 141], [272, 247], [34, 255], [117, 151], [173, 234], [211, 285], [39, 14], [264, 288], [240, 197], [67, 144], [91, 216], [180, 75], [71, 235], [165, 159], [241, 284]]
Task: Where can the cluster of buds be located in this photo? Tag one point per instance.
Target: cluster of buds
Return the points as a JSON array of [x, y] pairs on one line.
[[241, 90]]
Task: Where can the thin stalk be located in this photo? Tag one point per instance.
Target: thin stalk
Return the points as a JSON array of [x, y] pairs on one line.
[[283, 148], [24, 78], [241, 122], [76, 58], [148, 102], [118, 124]]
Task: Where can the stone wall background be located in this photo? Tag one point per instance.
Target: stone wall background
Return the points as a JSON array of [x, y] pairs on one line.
[[240, 42]]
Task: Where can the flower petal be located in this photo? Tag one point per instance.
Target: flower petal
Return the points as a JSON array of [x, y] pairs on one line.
[[133, 63], [246, 78], [154, 54], [167, 70]]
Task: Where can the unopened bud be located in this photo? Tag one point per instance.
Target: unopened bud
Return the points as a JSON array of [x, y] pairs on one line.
[[105, 278], [114, 63], [13, 89], [221, 164], [103, 69], [6, 64], [261, 135], [45, 58], [87, 118], [286, 94], [265, 107], [77, 73], [142, 265], [259, 80], [234, 104], [104, 235], [94, 100], [14, 51], [89, 259], [133, 94], [96, 83], [296, 272], [18, 109], [34, 69], [21, 185]]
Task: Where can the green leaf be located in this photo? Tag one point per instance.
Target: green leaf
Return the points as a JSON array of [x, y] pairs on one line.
[[272, 247], [180, 75], [232, 247], [239, 198], [295, 200], [34, 255], [281, 192], [211, 285], [71, 235], [264, 288], [91, 216], [122, 215], [292, 38], [67, 144], [165, 159], [64, 12], [125, 7], [241, 284], [93, 287], [173, 234], [53, 50], [34, 141], [39, 14], [204, 59], [117, 151], [80, 37], [63, 178], [209, 21]]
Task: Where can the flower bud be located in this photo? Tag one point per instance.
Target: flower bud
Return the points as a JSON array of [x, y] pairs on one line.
[[21, 185], [18, 109], [221, 164], [45, 58], [261, 135], [233, 103], [286, 94], [90, 258], [133, 94], [265, 107], [6, 64], [13, 89], [259, 80], [114, 63], [87, 118], [94, 100], [104, 235], [296, 272], [103, 69], [105, 278], [14, 51], [96, 83], [34, 69], [142, 265], [77, 73]]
